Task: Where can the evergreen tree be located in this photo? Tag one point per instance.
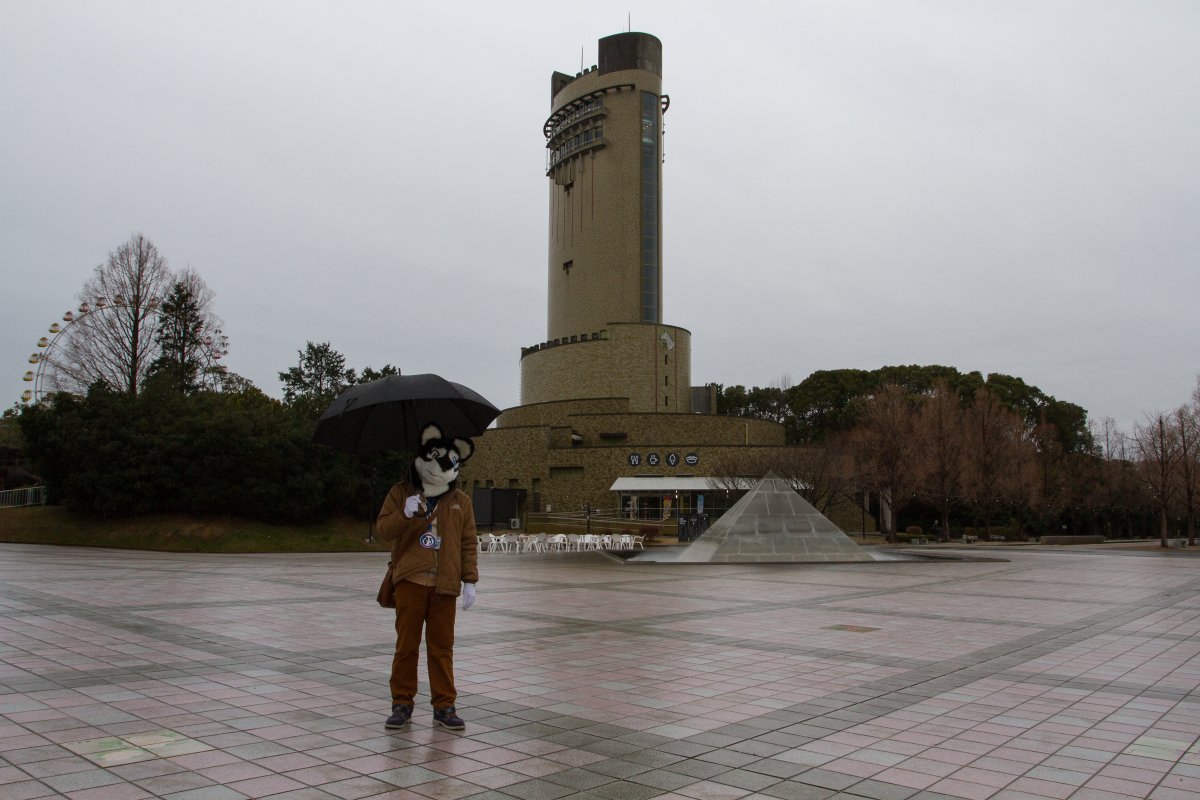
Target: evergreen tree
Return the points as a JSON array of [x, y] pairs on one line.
[[316, 380], [189, 338]]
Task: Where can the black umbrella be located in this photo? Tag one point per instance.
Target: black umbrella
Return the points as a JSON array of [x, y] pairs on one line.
[[389, 413]]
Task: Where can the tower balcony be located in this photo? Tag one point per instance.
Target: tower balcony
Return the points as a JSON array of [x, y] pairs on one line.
[[584, 141], [579, 107], [593, 108]]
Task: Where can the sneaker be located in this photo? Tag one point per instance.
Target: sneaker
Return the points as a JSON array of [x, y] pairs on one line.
[[447, 718], [401, 716]]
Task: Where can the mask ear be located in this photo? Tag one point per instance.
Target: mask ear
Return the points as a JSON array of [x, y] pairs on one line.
[[430, 432], [465, 448]]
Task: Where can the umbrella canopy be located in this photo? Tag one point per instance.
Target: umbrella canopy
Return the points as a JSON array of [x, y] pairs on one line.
[[389, 413]]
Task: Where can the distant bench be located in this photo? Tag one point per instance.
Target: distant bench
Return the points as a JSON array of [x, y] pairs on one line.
[[1072, 540]]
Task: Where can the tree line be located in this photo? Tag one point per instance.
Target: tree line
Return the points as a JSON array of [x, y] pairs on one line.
[[228, 450], [951, 450], [140, 416], [829, 402]]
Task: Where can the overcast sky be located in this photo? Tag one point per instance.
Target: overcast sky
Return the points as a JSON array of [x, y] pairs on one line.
[[995, 186]]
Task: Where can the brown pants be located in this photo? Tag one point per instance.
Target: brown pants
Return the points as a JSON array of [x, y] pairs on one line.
[[416, 607]]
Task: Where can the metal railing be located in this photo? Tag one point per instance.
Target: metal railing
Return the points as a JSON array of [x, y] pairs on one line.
[[610, 520], [565, 151], [29, 496], [595, 106]]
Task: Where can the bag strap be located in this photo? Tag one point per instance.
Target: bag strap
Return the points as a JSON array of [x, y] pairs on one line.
[[396, 556]]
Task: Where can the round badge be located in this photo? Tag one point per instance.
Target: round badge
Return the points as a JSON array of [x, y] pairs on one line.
[[692, 459], [652, 459], [429, 541], [634, 459], [672, 459]]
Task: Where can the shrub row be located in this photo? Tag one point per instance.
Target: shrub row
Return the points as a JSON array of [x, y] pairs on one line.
[[240, 454]]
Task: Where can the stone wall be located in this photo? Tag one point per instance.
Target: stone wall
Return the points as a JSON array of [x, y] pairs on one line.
[[552, 412], [629, 360], [679, 430]]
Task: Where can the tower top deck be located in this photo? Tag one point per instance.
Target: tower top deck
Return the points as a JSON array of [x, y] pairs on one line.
[[621, 51]]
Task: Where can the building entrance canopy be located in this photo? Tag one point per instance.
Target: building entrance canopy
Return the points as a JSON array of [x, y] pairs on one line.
[[664, 483], [684, 502]]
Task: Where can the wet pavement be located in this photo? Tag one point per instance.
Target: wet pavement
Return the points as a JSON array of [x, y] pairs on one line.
[[1065, 674]]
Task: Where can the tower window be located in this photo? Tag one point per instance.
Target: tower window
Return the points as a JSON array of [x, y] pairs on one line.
[[651, 161], [567, 266]]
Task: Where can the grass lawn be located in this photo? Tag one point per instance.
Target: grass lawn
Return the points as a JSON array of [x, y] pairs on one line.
[[55, 525]]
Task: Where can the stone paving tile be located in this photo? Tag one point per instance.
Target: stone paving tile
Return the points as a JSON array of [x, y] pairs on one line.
[[1050, 675]]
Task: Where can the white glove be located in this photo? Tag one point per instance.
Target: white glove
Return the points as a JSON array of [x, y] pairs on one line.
[[413, 505], [468, 595]]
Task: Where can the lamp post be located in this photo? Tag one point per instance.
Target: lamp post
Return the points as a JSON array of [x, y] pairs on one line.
[[862, 512]]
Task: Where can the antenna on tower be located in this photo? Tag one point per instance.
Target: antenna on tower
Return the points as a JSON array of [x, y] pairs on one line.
[[581, 58], [628, 22]]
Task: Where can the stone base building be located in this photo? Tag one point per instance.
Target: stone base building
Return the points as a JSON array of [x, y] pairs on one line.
[[570, 455]]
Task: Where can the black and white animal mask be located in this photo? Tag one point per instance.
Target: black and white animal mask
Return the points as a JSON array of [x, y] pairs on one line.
[[439, 460]]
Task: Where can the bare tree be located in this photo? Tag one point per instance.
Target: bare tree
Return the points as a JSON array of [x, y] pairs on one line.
[[993, 455], [1049, 482], [1187, 425], [940, 426], [731, 471], [1156, 441], [1108, 475], [884, 452], [115, 344], [1121, 487], [816, 473], [821, 473], [1107, 436]]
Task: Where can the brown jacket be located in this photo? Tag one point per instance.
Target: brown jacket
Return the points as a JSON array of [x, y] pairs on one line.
[[458, 559]]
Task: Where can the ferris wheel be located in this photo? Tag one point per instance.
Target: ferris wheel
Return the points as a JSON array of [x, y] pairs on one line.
[[113, 340], [45, 375]]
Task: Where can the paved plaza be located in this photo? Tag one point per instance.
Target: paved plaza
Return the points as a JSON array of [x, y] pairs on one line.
[[1052, 674]]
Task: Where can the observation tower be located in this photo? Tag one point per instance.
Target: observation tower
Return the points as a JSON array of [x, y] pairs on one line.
[[608, 416], [605, 336]]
